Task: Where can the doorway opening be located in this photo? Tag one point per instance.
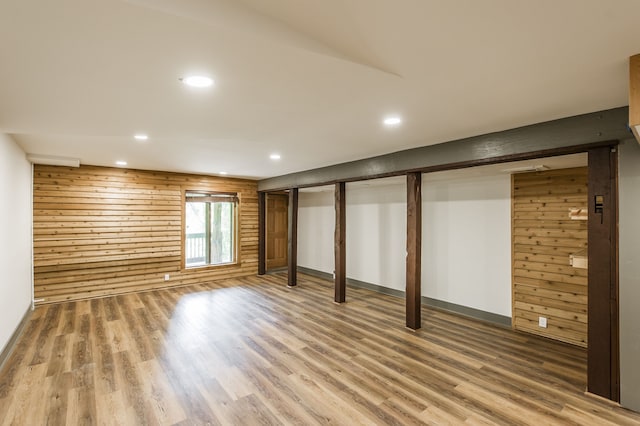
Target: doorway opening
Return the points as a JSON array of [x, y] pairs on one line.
[[276, 242]]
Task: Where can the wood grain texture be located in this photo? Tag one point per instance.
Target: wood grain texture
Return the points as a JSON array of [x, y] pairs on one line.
[[292, 240], [102, 231], [603, 373], [634, 91], [253, 351], [277, 231], [340, 243], [414, 250], [543, 235], [262, 233]]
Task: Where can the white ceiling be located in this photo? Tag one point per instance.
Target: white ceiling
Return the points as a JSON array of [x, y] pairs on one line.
[[308, 79]]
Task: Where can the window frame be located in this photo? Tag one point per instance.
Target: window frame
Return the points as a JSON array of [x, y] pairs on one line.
[[234, 196]]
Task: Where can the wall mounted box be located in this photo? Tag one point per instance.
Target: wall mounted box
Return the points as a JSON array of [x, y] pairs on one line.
[[579, 260]]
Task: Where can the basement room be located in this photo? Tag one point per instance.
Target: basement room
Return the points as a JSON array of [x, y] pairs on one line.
[[241, 212]]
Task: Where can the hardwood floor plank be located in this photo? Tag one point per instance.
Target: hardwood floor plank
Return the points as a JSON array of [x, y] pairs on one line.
[[505, 409], [31, 384], [139, 339], [58, 354], [252, 351], [274, 400], [57, 399], [23, 350], [158, 393], [186, 388], [580, 417], [284, 387], [133, 393], [44, 342], [315, 394]]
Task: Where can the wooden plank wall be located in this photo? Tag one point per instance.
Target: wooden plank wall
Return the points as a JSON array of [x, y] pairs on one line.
[[544, 282], [102, 231]]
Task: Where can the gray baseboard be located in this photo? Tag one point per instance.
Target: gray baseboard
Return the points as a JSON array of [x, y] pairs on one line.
[[8, 348], [434, 303], [315, 273], [468, 312]]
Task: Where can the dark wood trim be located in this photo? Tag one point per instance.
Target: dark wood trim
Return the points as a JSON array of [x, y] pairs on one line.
[[414, 250], [558, 137], [293, 238], [340, 279], [615, 280], [262, 233], [634, 94], [603, 344]]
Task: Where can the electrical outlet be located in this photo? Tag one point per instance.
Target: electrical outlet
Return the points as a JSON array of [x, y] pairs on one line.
[[542, 322], [166, 277]]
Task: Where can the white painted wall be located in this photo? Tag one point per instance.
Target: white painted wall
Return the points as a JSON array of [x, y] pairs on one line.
[[316, 223], [629, 285], [466, 252], [376, 234], [15, 237], [466, 242]]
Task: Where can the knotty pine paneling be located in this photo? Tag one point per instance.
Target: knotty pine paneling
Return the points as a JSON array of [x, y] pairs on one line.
[[101, 231], [544, 282]]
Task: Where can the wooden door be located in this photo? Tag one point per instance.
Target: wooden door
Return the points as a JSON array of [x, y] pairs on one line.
[[277, 230]]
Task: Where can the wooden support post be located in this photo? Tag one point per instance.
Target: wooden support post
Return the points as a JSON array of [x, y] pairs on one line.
[[262, 234], [339, 236], [634, 95], [603, 371], [293, 238], [414, 249]]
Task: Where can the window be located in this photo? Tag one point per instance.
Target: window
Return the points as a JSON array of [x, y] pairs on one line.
[[210, 228]]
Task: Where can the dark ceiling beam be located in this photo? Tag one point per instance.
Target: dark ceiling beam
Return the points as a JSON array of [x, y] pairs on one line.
[[564, 136]]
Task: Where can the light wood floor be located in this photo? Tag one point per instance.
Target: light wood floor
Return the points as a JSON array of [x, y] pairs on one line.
[[251, 351]]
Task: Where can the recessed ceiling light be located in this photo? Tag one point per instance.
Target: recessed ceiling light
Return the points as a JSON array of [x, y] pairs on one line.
[[197, 81], [121, 163], [275, 156], [392, 121], [141, 137], [223, 173]]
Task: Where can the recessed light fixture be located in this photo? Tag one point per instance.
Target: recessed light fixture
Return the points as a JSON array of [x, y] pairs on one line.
[[223, 173], [197, 81], [121, 163], [141, 137], [275, 156], [392, 121]]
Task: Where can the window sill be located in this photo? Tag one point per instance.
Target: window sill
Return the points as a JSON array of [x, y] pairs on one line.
[[201, 268]]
